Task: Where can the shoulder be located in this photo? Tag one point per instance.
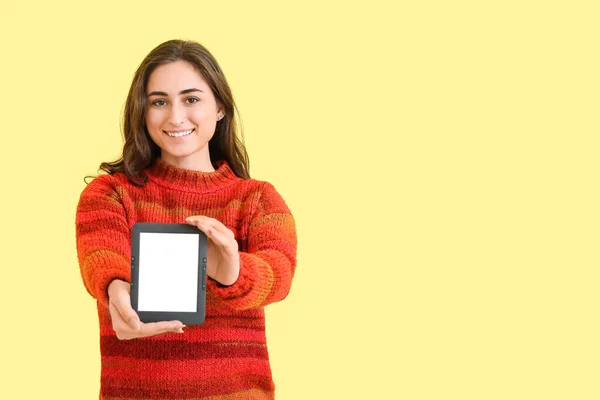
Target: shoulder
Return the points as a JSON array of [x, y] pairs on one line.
[[105, 185], [268, 198]]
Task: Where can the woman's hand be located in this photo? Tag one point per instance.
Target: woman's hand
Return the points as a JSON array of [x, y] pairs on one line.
[[223, 261], [126, 322]]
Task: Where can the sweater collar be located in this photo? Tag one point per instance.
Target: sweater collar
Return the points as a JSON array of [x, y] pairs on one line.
[[189, 180]]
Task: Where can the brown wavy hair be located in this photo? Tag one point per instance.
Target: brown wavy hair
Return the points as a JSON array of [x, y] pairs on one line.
[[140, 151]]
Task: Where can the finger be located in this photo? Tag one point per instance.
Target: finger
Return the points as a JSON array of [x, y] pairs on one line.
[[227, 246], [219, 239], [204, 223], [115, 316], [200, 223], [125, 332], [196, 219], [121, 328], [120, 298], [127, 313], [200, 220], [157, 328], [220, 227]]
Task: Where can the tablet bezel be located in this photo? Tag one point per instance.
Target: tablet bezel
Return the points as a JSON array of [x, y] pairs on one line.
[[187, 318]]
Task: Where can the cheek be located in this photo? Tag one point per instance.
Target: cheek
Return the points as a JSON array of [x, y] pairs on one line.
[[153, 120], [201, 114]]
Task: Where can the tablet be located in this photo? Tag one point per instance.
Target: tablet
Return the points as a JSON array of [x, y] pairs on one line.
[[168, 272]]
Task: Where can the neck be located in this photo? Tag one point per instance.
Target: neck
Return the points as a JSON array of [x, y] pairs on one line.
[[187, 180], [199, 161]]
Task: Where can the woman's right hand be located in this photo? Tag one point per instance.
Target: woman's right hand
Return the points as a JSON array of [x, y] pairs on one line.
[[125, 320]]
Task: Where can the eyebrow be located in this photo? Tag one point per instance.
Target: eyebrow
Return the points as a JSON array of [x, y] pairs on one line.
[[155, 93]]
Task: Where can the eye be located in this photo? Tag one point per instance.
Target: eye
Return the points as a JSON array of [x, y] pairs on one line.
[[159, 103], [192, 100]]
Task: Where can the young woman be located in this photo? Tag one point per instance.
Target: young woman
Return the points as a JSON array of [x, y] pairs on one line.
[[182, 162]]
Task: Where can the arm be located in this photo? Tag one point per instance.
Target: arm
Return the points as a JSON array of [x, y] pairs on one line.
[[267, 268], [104, 251], [103, 237]]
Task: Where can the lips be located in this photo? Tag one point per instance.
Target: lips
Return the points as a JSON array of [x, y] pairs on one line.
[[179, 133]]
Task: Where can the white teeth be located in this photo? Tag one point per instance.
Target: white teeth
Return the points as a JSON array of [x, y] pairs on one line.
[[180, 134]]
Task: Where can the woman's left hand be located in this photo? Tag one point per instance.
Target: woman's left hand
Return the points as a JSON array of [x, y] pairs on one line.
[[223, 260]]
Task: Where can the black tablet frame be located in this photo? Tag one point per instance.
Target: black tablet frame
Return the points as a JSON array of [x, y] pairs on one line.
[[187, 318]]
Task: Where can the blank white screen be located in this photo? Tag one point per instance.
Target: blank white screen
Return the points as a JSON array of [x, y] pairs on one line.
[[168, 272]]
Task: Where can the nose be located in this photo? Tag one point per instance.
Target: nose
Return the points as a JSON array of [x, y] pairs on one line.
[[176, 114]]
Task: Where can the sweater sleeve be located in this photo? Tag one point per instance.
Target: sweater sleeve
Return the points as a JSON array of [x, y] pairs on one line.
[[103, 237], [267, 268]]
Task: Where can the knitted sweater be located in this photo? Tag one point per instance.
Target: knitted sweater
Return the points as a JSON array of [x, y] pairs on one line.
[[226, 357]]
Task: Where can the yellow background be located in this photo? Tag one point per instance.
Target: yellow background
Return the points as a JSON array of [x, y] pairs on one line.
[[440, 157]]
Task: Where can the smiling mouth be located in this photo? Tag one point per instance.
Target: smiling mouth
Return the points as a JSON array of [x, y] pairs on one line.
[[176, 134]]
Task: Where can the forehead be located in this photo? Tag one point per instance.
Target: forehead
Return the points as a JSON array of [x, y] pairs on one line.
[[174, 77]]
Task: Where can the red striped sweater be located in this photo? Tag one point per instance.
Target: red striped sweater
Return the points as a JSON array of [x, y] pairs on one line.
[[226, 357]]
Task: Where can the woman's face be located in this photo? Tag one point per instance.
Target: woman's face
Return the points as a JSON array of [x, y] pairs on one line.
[[181, 115]]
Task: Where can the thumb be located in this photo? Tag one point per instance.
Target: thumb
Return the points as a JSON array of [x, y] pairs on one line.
[[130, 316], [123, 306]]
